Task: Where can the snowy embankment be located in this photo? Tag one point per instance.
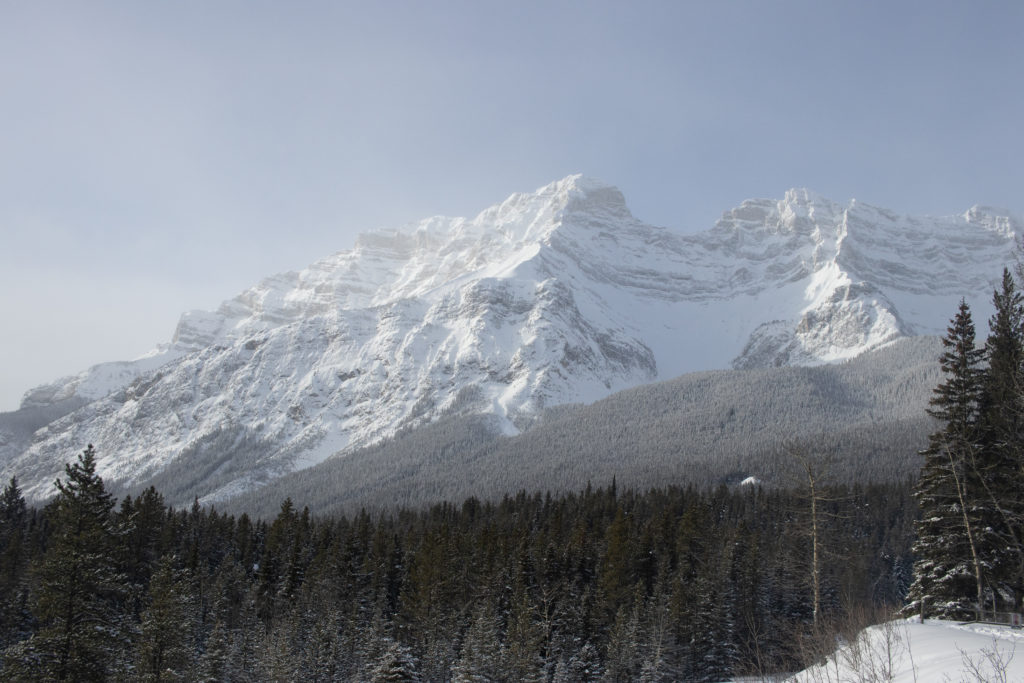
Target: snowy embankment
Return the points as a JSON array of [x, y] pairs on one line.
[[908, 651]]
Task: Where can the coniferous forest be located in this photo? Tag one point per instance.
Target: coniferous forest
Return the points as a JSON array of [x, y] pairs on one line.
[[668, 584], [603, 584]]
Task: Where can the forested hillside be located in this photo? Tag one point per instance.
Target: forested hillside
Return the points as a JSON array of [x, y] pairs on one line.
[[867, 416], [600, 584]]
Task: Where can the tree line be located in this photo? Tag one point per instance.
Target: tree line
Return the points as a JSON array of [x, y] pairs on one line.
[[602, 584]]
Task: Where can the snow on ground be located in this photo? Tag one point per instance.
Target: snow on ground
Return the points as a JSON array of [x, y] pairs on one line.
[[906, 651]]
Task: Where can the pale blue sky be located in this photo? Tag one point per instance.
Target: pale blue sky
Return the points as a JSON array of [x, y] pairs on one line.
[[157, 157]]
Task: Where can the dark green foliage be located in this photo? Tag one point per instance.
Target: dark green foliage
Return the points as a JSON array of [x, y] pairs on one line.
[[15, 620], [946, 571], [1001, 460], [605, 584]]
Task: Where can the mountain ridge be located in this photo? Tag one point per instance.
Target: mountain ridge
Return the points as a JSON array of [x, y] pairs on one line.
[[550, 297]]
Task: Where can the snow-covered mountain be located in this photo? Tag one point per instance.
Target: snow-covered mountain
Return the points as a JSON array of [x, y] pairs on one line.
[[550, 297]]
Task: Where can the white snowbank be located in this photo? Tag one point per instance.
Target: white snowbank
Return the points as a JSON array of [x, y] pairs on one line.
[[908, 651]]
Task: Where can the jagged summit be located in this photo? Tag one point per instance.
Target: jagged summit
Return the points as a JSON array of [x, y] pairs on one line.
[[554, 296], [389, 265]]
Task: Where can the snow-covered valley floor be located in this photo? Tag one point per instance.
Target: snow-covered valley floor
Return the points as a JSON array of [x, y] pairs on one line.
[[908, 651]]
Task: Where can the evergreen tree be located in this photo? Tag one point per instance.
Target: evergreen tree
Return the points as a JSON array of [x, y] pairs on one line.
[[622, 663], [322, 651], [581, 667], [142, 521], [247, 638], [659, 651], [615, 581], [165, 647], [215, 664], [480, 659], [395, 665], [83, 634], [1001, 461], [947, 570], [14, 617], [523, 641], [280, 542], [13, 517], [277, 661], [713, 652]]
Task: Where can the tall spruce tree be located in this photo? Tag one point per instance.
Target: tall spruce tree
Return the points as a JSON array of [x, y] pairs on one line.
[[14, 617], [82, 635], [13, 515], [947, 569], [1001, 465]]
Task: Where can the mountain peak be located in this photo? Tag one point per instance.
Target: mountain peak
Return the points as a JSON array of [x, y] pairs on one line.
[[588, 195], [553, 296], [800, 211], [803, 196], [577, 181], [576, 192], [995, 220]]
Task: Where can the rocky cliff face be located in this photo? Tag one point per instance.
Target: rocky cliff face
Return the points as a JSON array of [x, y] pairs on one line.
[[551, 297]]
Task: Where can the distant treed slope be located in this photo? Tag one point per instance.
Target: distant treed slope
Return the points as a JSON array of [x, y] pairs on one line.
[[18, 426], [866, 415]]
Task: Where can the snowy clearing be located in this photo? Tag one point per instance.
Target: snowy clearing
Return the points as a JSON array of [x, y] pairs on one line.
[[908, 651]]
